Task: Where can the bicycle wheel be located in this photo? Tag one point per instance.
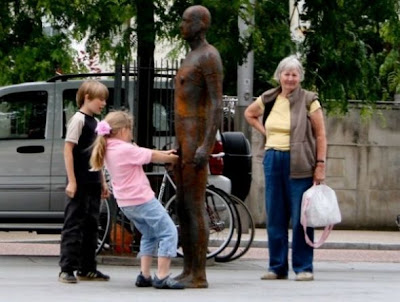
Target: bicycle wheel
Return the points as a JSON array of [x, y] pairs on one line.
[[233, 245], [219, 217], [248, 228], [104, 226]]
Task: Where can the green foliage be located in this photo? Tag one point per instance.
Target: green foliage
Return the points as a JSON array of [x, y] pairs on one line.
[[390, 69], [270, 40], [104, 23], [351, 50], [26, 52], [344, 50]]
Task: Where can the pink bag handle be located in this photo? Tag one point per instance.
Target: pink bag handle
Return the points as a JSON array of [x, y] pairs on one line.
[[325, 233]]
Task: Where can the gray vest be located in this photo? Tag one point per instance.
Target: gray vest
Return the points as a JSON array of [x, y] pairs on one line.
[[302, 140]]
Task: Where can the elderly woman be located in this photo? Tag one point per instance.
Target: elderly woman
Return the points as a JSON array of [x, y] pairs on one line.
[[293, 124]]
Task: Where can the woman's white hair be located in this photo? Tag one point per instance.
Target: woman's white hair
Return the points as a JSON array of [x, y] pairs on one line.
[[290, 62]]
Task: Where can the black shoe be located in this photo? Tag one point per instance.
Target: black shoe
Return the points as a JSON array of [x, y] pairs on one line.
[[167, 283], [142, 281], [67, 277], [92, 276]]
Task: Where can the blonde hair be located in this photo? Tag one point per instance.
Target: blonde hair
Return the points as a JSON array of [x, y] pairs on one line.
[[117, 120], [92, 88]]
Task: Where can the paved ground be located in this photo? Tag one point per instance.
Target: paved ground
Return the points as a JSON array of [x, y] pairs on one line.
[[352, 266], [35, 278]]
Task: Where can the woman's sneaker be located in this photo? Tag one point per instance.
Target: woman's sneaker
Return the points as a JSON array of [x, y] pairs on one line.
[[67, 277], [167, 283], [92, 276], [305, 276], [142, 281], [273, 276]]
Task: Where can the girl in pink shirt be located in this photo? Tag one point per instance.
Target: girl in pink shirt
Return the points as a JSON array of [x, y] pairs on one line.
[[134, 195]]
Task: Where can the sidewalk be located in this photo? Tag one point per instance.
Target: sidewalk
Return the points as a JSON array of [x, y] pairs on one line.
[[24, 243], [347, 239]]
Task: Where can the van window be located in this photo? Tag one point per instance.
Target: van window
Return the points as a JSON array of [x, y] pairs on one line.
[[23, 115], [163, 112], [160, 118]]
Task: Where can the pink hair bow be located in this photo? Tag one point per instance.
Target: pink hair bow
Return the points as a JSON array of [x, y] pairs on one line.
[[103, 128]]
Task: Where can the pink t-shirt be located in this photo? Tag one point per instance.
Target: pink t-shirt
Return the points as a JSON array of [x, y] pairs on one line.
[[124, 162]]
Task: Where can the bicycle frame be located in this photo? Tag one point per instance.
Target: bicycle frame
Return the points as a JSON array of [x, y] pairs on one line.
[[167, 177]]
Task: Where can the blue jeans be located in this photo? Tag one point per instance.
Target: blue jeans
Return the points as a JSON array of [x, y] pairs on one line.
[[156, 226], [283, 204]]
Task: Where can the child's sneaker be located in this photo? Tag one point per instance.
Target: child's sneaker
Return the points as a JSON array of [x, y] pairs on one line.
[[67, 277], [92, 276], [142, 281], [167, 283]]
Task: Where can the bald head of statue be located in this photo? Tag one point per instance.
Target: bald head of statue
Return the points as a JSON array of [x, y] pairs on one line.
[[196, 19]]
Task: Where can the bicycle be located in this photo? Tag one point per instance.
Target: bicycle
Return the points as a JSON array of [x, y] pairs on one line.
[[244, 232], [219, 212], [246, 237]]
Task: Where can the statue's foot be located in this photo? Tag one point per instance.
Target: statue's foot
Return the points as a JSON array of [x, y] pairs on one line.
[[191, 282], [196, 284], [182, 276]]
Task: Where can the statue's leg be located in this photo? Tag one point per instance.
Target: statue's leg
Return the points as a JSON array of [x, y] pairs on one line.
[[194, 228], [184, 224]]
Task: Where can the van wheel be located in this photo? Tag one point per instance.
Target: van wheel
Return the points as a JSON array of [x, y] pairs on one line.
[[237, 162]]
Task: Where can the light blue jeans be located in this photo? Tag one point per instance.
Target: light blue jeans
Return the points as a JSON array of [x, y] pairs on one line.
[[283, 204], [156, 226]]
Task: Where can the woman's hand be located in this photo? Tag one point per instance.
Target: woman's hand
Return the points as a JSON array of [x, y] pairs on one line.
[[252, 115], [319, 173]]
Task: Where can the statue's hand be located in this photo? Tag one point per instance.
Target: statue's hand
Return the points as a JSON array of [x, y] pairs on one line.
[[200, 157]]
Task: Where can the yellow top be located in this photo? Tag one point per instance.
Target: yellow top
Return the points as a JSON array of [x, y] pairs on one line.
[[277, 125]]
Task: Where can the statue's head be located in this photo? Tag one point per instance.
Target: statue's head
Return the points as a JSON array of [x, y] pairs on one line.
[[196, 20]]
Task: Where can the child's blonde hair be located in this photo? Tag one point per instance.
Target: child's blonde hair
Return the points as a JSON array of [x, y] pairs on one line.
[[92, 88], [117, 120]]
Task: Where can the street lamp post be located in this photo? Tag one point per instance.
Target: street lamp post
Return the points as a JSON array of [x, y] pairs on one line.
[[244, 78]]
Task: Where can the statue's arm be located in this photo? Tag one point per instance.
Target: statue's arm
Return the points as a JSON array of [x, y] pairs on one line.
[[213, 75]]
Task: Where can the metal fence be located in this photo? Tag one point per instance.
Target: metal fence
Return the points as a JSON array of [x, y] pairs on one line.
[[152, 104]]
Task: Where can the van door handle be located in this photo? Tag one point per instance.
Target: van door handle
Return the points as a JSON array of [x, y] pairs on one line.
[[30, 149]]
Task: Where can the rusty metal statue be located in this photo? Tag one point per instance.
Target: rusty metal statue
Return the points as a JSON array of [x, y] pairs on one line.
[[198, 102]]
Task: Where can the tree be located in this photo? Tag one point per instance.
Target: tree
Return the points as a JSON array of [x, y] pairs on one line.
[[27, 53], [343, 49], [270, 40], [390, 68], [351, 50], [145, 54]]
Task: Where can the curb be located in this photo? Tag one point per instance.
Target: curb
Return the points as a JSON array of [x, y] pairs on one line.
[[264, 244], [342, 245]]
